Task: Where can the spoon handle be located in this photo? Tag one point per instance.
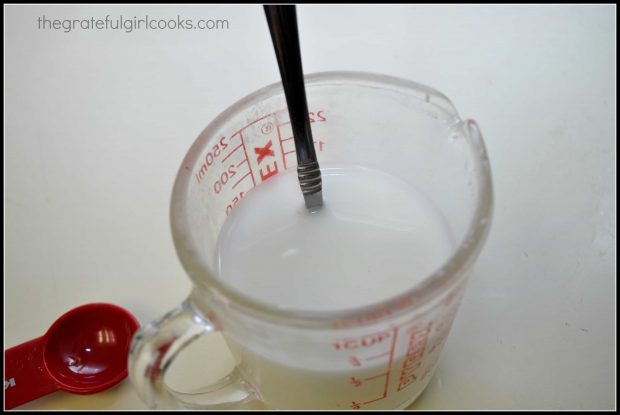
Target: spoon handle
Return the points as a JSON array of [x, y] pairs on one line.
[[282, 22], [25, 375]]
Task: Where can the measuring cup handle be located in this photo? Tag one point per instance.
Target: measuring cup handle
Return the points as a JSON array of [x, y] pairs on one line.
[[155, 346], [25, 375]]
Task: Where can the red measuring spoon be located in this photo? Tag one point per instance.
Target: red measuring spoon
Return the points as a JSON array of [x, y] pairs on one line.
[[84, 351]]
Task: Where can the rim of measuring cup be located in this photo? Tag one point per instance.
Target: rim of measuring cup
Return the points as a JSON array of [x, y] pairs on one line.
[[204, 277]]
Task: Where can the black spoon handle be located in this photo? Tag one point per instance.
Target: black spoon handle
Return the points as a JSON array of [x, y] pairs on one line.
[[282, 22]]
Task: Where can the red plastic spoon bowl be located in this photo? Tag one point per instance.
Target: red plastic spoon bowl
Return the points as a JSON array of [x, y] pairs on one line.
[[84, 351]]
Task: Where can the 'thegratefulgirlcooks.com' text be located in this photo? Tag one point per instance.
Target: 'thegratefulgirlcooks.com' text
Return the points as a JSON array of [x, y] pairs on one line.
[[128, 25]]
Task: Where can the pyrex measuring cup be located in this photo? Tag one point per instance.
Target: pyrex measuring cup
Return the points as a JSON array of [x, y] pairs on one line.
[[379, 356]]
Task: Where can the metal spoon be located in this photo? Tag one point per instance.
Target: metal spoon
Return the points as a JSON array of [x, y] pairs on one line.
[[282, 22]]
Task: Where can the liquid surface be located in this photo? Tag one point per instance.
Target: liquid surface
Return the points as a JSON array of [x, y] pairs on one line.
[[375, 237]]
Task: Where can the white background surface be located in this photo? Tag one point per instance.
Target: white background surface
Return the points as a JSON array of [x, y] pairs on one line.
[[97, 123]]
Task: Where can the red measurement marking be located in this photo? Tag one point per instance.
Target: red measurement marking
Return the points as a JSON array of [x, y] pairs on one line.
[[415, 352], [389, 371], [355, 361], [232, 152], [368, 340], [288, 152], [356, 405], [378, 356], [320, 117], [355, 381], [377, 376], [286, 139], [241, 162], [281, 148], [241, 179], [387, 382], [263, 152], [246, 155], [374, 400]]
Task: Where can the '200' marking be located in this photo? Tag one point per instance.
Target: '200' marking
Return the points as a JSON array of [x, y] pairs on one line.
[[224, 178]]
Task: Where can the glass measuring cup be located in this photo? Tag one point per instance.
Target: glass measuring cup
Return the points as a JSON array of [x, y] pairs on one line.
[[379, 356]]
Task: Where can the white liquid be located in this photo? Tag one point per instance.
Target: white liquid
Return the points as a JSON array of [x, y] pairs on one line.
[[284, 386], [374, 238]]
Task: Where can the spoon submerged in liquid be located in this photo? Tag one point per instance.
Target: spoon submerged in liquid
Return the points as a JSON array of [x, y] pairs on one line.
[[84, 351]]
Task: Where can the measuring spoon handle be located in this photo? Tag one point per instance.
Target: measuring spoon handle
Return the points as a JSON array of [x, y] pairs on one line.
[[25, 376]]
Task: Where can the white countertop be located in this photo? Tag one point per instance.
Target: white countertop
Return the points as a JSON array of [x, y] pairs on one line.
[[97, 123]]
